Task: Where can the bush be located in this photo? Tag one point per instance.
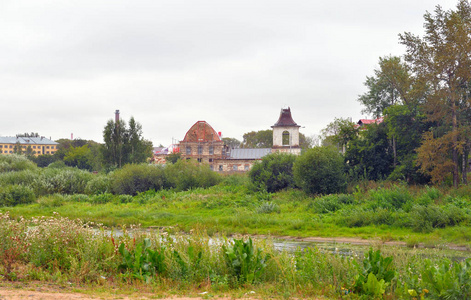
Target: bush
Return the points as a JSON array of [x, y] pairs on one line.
[[98, 185], [320, 170], [274, 172], [12, 195], [393, 198], [188, 174], [133, 179], [331, 203], [62, 181], [15, 162], [426, 218], [25, 177]]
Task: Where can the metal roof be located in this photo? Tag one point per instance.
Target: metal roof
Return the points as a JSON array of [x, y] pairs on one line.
[[241, 153], [26, 140]]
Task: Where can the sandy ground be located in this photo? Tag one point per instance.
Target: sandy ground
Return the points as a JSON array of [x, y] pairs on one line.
[[46, 291], [14, 294]]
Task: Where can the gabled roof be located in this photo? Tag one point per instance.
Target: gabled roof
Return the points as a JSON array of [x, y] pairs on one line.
[[285, 118], [26, 140], [201, 132], [244, 153]]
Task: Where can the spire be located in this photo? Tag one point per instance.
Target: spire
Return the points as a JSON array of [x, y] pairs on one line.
[[285, 118]]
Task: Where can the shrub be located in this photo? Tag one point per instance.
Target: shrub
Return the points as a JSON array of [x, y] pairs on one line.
[[98, 185], [133, 179], [15, 162], [268, 208], [62, 181], [50, 201], [426, 218], [331, 203], [274, 172], [12, 195], [188, 174], [25, 177], [320, 170], [393, 198]]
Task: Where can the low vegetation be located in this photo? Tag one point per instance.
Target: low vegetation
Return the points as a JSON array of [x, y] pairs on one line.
[[61, 250]]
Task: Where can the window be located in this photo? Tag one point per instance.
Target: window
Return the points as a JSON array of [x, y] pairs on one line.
[[10, 151], [286, 138], [211, 150], [235, 168], [200, 150], [220, 168], [199, 159], [11, 147], [211, 167], [47, 152], [1, 146], [246, 167], [47, 147], [34, 147], [188, 150], [210, 160]]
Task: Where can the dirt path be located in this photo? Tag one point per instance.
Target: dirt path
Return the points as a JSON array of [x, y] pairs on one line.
[[7, 294], [48, 291]]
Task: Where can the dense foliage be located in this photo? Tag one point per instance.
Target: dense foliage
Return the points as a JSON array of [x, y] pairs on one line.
[[273, 173], [320, 170]]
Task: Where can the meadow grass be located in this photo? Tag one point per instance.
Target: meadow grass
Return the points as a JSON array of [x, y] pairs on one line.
[[393, 213]]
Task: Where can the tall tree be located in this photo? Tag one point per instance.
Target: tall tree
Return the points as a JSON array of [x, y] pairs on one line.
[[442, 59], [390, 85], [124, 144]]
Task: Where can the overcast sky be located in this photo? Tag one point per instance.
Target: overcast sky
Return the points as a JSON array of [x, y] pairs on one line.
[[66, 66]]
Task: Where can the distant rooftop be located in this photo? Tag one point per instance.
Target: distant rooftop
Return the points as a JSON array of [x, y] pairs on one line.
[[26, 140], [201, 131], [285, 118]]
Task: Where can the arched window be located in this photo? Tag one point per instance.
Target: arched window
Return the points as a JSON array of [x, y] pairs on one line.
[[286, 138]]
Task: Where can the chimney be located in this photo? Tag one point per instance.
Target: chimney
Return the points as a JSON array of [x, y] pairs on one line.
[[116, 116]]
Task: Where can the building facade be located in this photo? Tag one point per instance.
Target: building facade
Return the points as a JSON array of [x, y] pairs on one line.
[[203, 144], [286, 134], [27, 143]]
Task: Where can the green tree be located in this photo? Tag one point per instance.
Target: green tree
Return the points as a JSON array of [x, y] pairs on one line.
[[339, 132], [390, 85], [124, 144], [442, 59], [274, 172], [231, 142], [18, 148], [79, 157], [370, 155], [258, 139], [407, 126], [320, 170], [173, 157]]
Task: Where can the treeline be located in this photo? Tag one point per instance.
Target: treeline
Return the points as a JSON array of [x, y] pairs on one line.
[[424, 97], [123, 144]]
